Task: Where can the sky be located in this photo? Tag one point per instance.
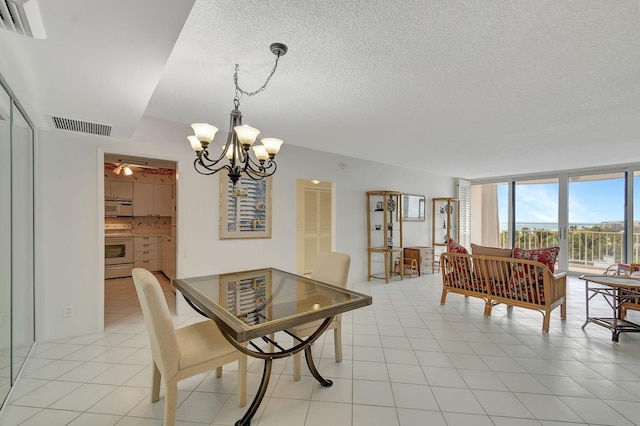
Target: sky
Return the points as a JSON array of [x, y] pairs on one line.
[[589, 201]]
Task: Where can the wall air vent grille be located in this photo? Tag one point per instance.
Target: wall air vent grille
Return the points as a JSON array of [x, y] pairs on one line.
[[81, 126], [22, 17]]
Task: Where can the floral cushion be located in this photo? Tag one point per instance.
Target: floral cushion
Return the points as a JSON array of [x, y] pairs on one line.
[[546, 256], [523, 274], [454, 247], [460, 267]]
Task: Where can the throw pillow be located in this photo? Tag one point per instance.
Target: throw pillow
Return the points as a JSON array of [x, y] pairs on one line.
[[522, 275], [454, 247], [490, 251], [497, 274], [460, 267], [547, 255]]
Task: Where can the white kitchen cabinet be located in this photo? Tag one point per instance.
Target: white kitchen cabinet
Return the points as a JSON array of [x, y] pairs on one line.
[[142, 199], [167, 259], [151, 199], [145, 252], [162, 195], [117, 190]]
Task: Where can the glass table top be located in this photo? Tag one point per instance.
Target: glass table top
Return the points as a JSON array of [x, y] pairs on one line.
[[612, 280], [250, 304]]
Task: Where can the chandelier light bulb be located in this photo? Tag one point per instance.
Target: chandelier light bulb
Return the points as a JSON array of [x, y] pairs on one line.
[[204, 132], [246, 135], [127, 171], [261, 153], [195, 143], [272, 145], [229, 152]]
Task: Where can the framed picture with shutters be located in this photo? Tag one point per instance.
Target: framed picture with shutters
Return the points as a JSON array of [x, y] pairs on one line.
[[245, 209]]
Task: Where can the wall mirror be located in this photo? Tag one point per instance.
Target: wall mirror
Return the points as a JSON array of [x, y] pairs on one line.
[[413, 207]]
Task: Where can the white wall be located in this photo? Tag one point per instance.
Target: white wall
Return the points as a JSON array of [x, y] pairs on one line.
[[70, 244]]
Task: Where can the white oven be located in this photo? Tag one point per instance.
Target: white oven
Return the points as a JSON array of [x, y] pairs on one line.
[[118, 256]]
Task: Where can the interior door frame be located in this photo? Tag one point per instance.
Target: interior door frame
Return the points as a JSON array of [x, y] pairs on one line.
[[301, 185], [100, 161]]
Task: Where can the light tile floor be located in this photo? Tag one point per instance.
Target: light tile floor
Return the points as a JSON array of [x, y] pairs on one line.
[[407, 361]]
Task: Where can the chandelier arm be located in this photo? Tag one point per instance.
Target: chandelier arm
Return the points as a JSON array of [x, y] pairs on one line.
[[256, 166], [262, 172], [203, 169], [210, 162], [253, 176]]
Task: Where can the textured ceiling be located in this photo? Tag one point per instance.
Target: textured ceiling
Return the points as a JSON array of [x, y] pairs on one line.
[[472, 89]]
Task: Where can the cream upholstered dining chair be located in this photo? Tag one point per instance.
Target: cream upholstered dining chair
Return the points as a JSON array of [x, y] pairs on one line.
[[183, 352], [331, 268]]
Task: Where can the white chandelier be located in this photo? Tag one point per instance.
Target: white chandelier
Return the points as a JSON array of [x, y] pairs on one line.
[[235, 154]]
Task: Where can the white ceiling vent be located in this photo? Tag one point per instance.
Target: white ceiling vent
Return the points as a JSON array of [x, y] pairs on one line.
[[22, 17], [81, 126]]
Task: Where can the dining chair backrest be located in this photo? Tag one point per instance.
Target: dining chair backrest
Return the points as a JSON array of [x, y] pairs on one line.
[[332, 268], [162, 332]]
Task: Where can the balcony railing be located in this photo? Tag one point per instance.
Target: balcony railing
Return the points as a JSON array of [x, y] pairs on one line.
[[586, 248]]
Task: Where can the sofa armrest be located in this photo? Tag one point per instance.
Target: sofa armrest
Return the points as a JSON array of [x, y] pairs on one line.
[[559, 275]]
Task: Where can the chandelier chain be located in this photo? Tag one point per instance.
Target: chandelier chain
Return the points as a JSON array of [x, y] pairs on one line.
[[261, 89]]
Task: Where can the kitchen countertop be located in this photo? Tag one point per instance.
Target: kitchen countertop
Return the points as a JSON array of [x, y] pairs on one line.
[[129, 234]]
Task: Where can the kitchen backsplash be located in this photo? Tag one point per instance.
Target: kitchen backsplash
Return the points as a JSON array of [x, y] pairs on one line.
[[144, 225]]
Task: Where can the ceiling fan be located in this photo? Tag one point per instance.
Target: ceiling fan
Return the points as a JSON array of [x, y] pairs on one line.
[[125, 165]]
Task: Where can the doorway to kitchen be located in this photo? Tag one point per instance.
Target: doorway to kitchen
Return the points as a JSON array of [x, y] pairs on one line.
[[140, 226], [315, 222]]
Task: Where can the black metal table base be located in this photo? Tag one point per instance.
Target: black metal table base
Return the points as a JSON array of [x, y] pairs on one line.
[[268, 357], [266, 375], [312, 367], [262, 390]]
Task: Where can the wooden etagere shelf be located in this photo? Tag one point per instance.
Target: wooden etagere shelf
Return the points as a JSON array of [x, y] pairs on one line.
[[384, 235], [445, 224]]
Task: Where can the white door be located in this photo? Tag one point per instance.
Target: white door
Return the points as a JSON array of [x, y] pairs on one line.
[[315, 222]]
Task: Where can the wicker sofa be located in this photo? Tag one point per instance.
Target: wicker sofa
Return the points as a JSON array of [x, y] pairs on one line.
[[513, 281]]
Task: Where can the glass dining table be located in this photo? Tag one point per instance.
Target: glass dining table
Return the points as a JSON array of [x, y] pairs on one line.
[[250, 307]]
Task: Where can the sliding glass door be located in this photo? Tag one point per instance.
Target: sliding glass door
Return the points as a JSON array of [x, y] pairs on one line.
[[634, 253], [22, 244], [536, 213], [16, 239], [596, 237], [5, 246], [593, 217]]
